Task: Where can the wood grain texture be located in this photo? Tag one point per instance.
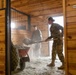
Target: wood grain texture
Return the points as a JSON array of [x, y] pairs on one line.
[[2, 42], [70, 17]]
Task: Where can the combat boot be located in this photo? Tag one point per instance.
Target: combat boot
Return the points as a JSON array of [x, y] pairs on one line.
[[51, 65], [62, 66]]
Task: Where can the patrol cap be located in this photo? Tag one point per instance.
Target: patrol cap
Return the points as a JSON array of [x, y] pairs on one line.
[[50, 18]]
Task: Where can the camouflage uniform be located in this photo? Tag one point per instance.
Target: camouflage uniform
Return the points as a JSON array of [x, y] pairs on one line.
[[36, 37], [57, 47]]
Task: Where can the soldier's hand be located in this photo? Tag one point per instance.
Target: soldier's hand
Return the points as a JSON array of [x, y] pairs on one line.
[[46, 40], [61, 38]]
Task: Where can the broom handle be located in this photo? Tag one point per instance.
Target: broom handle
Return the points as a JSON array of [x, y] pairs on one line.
[[43, 41], [39, 41], [52, 39]]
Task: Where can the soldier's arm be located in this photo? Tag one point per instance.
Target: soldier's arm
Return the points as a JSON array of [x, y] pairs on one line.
[[48, 38]]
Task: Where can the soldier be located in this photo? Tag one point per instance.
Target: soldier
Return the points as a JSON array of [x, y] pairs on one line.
[[57, 48], [36, 37]]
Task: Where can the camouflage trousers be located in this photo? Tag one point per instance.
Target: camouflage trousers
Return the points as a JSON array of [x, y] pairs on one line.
[[57, 48]]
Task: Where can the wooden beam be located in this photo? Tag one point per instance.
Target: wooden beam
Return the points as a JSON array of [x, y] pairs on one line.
[[47, 12], [19, 11], [39, 7], [33, 2]]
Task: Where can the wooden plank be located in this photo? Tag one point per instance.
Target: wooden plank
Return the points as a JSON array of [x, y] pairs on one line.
[[37, 7], [2, 13], [71, 19], [2, 30], [71, 44], [2, 67], [71, 37], [17, 2], [2, 72], [72, 66], [2, 47], [71, 51], [2, 19], [71, 30], [72, 72], [71, 56], [71, 25], [2, 58], [2, 38], [71, 2], [71, 13], [46, 12], [27, 2], [2, 24], [2, 52], [71, 33], [0, 4], [33, 2], [4, 3], [70, 8]]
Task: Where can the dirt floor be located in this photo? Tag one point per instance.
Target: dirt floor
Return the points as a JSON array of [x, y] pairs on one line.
[[39, 67]]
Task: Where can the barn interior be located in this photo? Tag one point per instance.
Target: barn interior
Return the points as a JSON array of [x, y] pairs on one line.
[[25, 14]]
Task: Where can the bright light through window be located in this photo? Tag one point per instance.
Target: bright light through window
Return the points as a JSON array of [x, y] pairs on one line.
[[12, 25], [59, 20]]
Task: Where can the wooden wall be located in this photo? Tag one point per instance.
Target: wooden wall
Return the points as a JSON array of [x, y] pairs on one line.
[[20, 31], [2, 42], [2, 37], [70, 22], [2, 4]]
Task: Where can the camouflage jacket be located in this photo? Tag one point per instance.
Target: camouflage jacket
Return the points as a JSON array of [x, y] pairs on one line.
[[56, 31]]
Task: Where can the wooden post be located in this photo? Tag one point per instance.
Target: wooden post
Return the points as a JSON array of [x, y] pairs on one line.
[[65, 37], [8, 36]]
